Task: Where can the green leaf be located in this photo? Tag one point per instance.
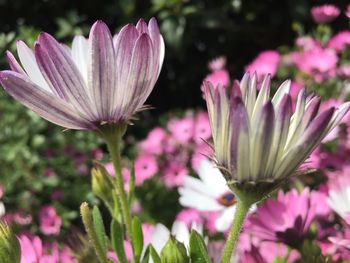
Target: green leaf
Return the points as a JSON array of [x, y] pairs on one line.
[[117, 239], [198, 249], [99, 228], [137, 237], [151, 253]]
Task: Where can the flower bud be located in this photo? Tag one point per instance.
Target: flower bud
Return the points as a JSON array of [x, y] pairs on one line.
[[102, 184], [174, 252], [10, 250]]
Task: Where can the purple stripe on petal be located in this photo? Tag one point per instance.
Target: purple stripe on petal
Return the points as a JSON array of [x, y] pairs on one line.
[[139, 83], [102, 70], [14, 64], [124, 44], [62, 74], [142, 27], [42, 102], [238, 123], [306, 144]]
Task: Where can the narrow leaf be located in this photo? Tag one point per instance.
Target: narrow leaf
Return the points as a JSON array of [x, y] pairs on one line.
[[198, 249], [137, 237], [117, 239], [99, 228]]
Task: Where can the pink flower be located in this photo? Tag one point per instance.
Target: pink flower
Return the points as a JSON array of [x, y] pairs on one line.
[[31, 250], [49, 172], [154, 142], [145, 167], [218, 75], [97, 154], [340, 41], [22, 218], [265, 63], [319, 63], [174, 174], [285, 220], [57, 195], [324, 13], [199, 154], [182, 130], [1, 191], [190, 216], [347, 11], [337, 246], [307, 43], [202, 130], [50, 222], [344, 71]]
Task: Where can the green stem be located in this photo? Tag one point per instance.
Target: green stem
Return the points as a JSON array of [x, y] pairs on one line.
[[240, 214], [113, 141]]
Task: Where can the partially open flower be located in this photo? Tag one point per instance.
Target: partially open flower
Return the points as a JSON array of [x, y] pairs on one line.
[[97, 81], [259, 142]]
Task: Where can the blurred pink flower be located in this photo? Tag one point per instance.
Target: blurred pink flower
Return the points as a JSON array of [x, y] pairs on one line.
[[57, 195], [344, 71], [50, 222], [154, 142], [22, 218], [182, 130], [339, 41], [324, 13], [337, 246], [145, 167], [285, 220], [190, 216], [97, 154], [306, 42], [49, 172], [202, 130], [318, 63], [174, 174], [319, 202], [339, 192], [347, 11], [199, 154], [31, 250], [265, 63], [218, 75], [1, 191]]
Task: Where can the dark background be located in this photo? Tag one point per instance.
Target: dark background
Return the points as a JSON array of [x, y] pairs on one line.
[[194, 31]]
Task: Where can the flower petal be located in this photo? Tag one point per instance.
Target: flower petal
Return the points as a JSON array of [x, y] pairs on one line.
[[80, 49], [30, 65], [14, 64], [62, 74], [102, 70], [42, 102], [138, 85]]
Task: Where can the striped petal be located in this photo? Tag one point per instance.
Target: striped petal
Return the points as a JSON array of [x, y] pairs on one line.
[[306, 144], [158, 43], [42, 102], [14, 64], [30, 65], [282, 90], [62, 75], [102, 70], [262, 132], [139, 83], [80, 48]]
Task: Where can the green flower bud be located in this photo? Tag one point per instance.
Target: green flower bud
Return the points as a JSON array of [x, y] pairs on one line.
[[174, 252], [102, 184], [10, 249]]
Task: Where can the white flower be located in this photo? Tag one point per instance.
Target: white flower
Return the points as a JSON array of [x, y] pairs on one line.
[[339, 198], [209, 193], [160, 234]]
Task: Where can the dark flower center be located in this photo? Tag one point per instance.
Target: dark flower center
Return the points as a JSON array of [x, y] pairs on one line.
[[227, 199]]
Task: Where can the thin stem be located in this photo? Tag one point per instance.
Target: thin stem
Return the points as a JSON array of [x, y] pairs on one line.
[[240, 214], [113, 145]]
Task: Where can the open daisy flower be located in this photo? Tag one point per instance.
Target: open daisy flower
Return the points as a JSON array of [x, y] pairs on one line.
[[260, 142], [99, 80], [209, 193]]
